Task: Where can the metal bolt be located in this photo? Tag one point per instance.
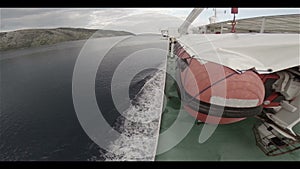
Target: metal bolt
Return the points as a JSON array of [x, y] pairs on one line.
[[267, 102]]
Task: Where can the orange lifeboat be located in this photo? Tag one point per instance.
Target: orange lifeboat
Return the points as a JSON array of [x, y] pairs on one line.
[[216, 94]]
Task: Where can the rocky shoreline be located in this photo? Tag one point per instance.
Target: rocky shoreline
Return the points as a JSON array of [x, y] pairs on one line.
[[37, 37]]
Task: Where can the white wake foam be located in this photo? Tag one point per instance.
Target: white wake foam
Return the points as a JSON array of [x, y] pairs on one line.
[[139, 135]]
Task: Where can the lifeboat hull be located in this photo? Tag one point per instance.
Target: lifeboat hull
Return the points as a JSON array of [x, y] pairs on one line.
[[216, 94]]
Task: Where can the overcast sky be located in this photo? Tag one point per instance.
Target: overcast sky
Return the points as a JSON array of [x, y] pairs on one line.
[[136, 20]]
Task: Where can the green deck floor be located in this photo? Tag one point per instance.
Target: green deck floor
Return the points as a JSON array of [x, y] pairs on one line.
[[233, 142]]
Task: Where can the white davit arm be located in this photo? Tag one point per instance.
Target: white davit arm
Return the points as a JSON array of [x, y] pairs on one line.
[[192, 16]]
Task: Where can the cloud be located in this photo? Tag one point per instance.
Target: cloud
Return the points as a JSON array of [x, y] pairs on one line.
[[145, 23], [13, 19], [134, 19]]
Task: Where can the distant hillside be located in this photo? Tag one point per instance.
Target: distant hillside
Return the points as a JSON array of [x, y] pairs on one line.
[[37, 37]]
